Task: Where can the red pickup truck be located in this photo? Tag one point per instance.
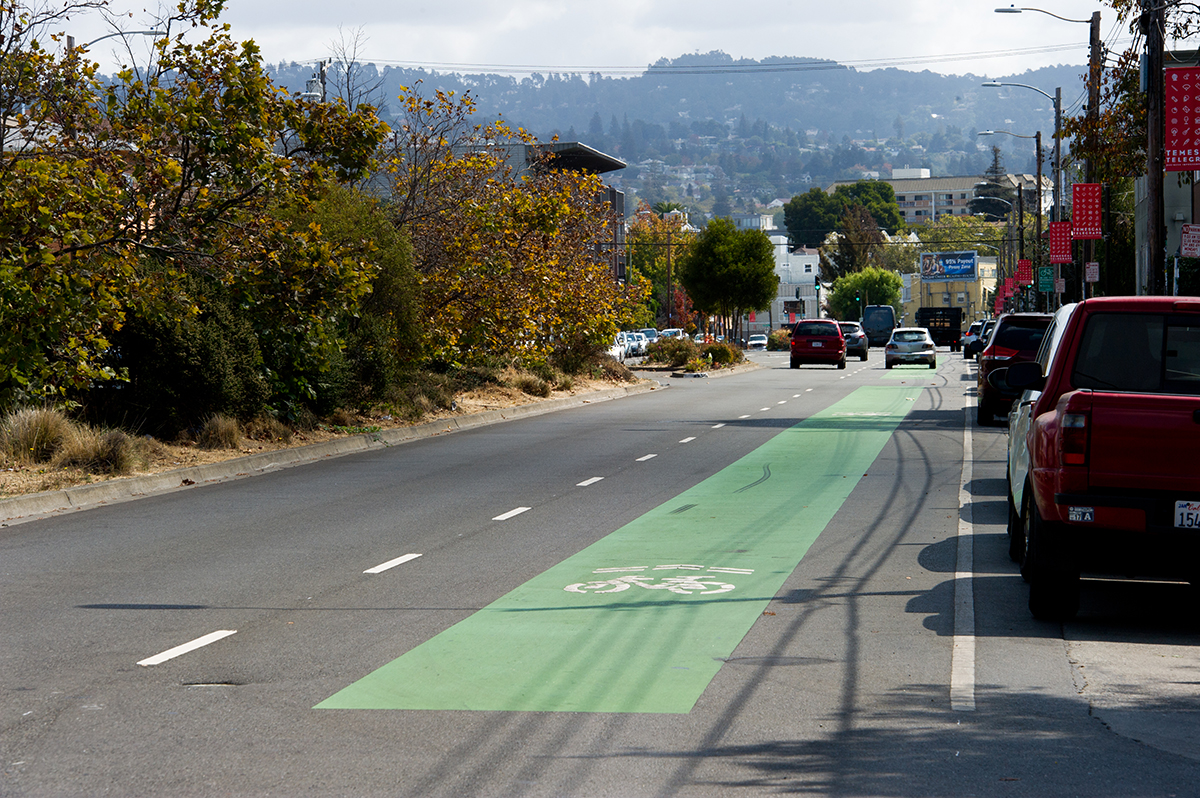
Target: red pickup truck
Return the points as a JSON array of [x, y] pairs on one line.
[[1103, 470]]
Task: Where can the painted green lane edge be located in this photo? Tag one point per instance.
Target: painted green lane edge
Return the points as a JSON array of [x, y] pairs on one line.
[[641, 620]]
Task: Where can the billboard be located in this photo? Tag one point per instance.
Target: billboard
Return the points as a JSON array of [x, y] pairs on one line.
[[945, 267]]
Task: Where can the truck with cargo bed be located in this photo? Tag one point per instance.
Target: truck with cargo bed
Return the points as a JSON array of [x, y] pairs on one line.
[[944, 325], [1102, 468]]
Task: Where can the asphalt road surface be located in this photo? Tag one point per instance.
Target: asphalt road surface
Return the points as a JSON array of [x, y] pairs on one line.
[[784, 581]]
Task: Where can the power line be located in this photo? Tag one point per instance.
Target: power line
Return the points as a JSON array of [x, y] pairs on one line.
[[714, 69]]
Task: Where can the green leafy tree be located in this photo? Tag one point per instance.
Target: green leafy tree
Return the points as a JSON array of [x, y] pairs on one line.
[[812, 216], [858, 244], [995, 200], [872, 286], [728, 271], [964, 233]]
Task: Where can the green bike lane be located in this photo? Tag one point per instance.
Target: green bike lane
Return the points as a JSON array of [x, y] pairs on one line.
[[642, 620]]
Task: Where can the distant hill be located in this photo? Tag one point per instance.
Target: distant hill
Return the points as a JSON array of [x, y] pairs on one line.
[[796, 93], [712, 131]]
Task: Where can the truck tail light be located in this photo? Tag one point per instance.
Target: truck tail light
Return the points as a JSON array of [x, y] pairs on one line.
[[1074, 439]]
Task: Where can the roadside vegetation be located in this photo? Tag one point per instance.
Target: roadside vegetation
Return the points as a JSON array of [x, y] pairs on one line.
[[192, 256]]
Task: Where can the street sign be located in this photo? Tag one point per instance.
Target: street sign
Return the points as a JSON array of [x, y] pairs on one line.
[[1190, 246], [1092, 273], [1045, 278], [1060, 286]]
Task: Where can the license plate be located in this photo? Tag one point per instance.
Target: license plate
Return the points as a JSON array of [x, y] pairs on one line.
[[1187, 515], [817, 344]]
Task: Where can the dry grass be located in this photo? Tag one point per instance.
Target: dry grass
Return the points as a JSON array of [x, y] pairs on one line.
[[33, 435], [220, 432], [99, 451]]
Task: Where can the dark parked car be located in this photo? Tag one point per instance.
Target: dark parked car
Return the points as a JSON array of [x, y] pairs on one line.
[[1015, 338], [818, 341], [856, 339]]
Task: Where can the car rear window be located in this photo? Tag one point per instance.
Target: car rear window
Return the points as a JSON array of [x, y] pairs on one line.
[[818, 328], [1139, 353], [909, 337], [1022, 334]]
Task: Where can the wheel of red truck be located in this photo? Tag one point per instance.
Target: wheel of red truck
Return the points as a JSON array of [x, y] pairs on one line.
[[984, 414], [842, 363], [1053, 590]]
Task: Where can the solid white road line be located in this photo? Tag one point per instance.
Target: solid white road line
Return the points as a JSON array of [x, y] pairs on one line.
[[512, 513], [199, 642], [587, 482], [962, 657], [378, 569], [644, 458]]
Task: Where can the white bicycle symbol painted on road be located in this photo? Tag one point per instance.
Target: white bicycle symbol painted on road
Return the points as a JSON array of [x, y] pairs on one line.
[[685, 585]]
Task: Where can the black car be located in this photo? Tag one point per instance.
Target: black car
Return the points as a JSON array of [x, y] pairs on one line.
[[856, 339], [1015, 338]]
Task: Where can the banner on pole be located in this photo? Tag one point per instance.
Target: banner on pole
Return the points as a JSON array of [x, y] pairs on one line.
[[1060, 242], [1025, 271], [1181, 134], [1085, 211]]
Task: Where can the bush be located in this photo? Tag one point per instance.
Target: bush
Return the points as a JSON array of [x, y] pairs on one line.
[[672, 351], [98, 452], [779, 341], [31, 435], [722, 354], [220, 432], [183, 371]]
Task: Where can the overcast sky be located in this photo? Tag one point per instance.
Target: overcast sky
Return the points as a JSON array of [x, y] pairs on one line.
[[958, 37]]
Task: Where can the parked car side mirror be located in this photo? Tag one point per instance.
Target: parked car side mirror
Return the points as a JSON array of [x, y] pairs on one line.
[[1024, 376]]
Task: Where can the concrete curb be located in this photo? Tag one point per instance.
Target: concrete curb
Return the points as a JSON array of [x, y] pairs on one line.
[[34, 505]]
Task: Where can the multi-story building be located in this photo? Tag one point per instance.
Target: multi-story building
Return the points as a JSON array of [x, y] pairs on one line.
[[923, 199]]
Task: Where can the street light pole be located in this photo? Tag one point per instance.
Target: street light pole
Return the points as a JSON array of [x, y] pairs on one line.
[[1056, 98], [1095, 64]]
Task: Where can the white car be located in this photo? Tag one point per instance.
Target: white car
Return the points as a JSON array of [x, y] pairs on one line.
[[757, 341], [672, 332], [617, 348], [910, 345]]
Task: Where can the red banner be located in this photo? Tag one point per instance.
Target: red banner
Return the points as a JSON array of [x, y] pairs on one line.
[[1181, 137], [1025, 271], [1060, 242], [1085, 211]]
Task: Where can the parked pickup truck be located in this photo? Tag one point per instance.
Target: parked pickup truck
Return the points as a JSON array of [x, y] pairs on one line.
[[1102, 459]]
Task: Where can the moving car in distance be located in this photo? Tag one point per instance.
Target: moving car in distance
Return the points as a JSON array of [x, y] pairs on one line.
[[1015, 338], [910, 345], [1102, 448], [878, 321], [856, 339], [757, 341], [818, 341]]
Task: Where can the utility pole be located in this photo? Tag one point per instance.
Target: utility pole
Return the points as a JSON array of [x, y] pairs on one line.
[[1153, 16], [1095, 62]]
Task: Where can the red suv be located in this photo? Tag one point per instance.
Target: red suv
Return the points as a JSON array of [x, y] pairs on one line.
[[1015, 338], [818, 341]]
